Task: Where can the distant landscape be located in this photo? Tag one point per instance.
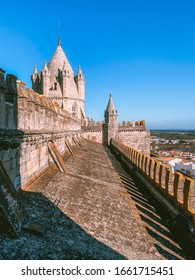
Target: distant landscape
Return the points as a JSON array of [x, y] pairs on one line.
[[173, 139], [174, 134]]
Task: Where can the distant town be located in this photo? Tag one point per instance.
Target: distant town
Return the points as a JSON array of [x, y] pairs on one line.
[[176, 149]]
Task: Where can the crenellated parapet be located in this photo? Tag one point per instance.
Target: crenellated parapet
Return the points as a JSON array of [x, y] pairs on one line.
[[92, 130], [28, 122], [136, 135], [176, 191], [36, 112], [25, 109], [134, 125], [92, 125], [8, 101]]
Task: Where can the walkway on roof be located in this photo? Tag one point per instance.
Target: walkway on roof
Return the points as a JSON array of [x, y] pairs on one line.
[[97, 211]]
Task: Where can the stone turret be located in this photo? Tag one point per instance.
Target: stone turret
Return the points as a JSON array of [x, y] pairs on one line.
[[65, 80], [35, 78], [110, 128], [80, 81], [45, 76], [8, 101]]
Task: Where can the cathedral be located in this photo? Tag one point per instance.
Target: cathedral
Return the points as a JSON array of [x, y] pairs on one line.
[[58, 83]]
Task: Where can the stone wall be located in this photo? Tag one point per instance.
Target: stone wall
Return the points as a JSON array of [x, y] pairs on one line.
[[132, 134], [25, 155], [93, 130], [28, 123], [93, 135], [177, 191], [8, 101], [25, 109], [136, 139], [35, 112], [126, 125]]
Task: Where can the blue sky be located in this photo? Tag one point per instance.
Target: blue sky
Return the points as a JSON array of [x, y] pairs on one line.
[[143, 51]]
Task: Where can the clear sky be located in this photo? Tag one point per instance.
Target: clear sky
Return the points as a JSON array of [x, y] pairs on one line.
[[143, 51]]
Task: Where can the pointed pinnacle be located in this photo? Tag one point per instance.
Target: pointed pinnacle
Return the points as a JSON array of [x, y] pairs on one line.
[[35, 69], [59, 42], [45, 65]]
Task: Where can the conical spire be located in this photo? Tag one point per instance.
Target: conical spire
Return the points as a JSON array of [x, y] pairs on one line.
[[45, 65], [35, 70], [110, 107], [80, 75], [111, 122], [79, 70], [57, 61]]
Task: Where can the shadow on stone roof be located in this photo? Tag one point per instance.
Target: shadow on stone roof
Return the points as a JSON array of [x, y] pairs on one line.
[[64, 239]]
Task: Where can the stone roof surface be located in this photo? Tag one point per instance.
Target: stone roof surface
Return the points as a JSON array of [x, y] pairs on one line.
[[101, 213], [110, 106], [57, 61]]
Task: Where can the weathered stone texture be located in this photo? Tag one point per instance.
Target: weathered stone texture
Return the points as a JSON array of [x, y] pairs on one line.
[[93, 135], [28, 122], [35, 112], [136, 139], [31, 155], [133, 134], [102, 213], [26, 110], [58, 83]]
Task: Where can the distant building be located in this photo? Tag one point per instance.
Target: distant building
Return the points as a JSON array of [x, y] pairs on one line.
[[182, 165], [172, 162], [186, 167]]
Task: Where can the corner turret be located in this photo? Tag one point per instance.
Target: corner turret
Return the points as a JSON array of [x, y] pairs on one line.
[[65, 80], [45, 79], [110, 128], [35, 78], [80, 82], [110, 113]]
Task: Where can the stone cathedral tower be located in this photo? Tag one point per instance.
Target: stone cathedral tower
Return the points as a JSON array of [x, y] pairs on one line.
[[58, 83], [110, 127]]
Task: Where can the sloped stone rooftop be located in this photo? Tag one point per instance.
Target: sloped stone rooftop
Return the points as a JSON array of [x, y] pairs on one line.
[[57, 62], [96, 211]]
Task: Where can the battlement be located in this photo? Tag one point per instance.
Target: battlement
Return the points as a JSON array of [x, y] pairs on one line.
[[92, 125], [134, 125], [176, 191], [24, 109]]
